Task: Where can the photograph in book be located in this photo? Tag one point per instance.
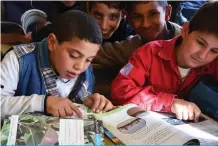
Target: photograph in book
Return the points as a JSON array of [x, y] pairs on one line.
[[40, 129], [132, 125]]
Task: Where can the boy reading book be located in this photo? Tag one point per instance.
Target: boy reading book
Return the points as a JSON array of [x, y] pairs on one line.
[[50, 75], [160, 73]]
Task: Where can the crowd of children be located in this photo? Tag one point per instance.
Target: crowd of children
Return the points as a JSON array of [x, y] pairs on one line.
[[156, 61]]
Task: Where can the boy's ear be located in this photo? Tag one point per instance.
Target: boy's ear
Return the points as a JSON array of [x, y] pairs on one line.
[[52, 42], [124, 14], [168, 12], [185, 29]]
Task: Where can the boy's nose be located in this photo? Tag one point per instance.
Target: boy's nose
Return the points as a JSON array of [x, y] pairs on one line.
[[202, 54], [146, 23], [79, 65], [104, 24]]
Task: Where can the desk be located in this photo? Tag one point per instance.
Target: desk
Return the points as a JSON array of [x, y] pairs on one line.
[[107, 141]]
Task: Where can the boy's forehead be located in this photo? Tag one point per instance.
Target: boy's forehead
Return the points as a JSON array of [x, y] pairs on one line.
[[146, 5], [142, 6], [81, 46], [102, 6], [109, 5]]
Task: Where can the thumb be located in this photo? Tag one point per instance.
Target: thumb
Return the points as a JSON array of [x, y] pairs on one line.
[[28, 34]]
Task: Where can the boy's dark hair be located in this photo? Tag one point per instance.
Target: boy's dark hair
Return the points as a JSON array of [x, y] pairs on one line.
[[111, 4], [203, 19], [129, 4], [75, 23]]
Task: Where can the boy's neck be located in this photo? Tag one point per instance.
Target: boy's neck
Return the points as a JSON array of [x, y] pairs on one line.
[[166, 33], [176, 48]]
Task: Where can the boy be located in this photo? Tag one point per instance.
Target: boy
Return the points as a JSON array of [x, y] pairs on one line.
[[150, 21], [109, 15], [160, 73], [114, 27], [38, 76]]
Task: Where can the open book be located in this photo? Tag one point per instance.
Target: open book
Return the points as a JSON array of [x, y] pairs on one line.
[[132, 125], [28, 18], [39, 129]]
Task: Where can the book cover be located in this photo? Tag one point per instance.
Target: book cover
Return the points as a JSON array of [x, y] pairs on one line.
[[40, 129]]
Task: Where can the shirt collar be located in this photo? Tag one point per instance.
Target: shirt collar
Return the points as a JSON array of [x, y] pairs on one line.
[[168, 51]]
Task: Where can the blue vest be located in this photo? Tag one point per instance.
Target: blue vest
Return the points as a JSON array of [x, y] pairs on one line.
[[32, 59]]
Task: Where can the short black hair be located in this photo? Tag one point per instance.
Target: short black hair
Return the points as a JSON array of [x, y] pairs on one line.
[[204, 19], [130, 4], [111, 4], [75, 23]]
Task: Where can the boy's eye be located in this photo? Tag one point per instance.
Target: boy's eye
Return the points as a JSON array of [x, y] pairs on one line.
[[153, 13], [89, 60], [137, 17], [200, 43], [74, 56], [114, 17], [97, 15], [215, 51]]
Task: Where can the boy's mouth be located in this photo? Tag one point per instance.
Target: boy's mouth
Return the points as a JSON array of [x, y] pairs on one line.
[[196, 60], [71, 74]]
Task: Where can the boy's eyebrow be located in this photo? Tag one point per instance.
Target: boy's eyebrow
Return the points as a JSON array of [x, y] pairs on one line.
[[153, 10], [115, 13], [207, 43]]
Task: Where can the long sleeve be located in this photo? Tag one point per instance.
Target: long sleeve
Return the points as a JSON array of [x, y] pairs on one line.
[[11, 104], [132, 84], [117, 53]]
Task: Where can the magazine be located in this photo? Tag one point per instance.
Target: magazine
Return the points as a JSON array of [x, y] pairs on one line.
[[132, 125], [28, 18], [41, 129]]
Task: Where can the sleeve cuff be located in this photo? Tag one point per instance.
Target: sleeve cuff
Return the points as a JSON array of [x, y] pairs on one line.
[[164, 102], [38, 104]]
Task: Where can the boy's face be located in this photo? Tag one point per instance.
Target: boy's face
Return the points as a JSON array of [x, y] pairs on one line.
[[71, 58], [197, 48], [108, 18], [149, 20], [69, 3]]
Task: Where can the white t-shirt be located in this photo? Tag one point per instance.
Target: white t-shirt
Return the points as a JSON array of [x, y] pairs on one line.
[[184, 72]]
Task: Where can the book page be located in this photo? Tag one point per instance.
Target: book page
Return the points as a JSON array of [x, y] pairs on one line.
[[206, 130], [134, 126], [13, 130], [71, 132]]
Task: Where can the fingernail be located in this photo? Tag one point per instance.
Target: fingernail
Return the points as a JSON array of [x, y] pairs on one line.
[[97, 111], [93, 110]]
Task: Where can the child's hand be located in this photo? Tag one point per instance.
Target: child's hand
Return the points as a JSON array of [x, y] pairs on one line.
[[98, 103], [61, 107], [185, 110], [27, 38]]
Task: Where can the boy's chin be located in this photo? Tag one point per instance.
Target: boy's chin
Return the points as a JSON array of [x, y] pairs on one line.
[[193, 65]]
